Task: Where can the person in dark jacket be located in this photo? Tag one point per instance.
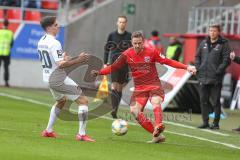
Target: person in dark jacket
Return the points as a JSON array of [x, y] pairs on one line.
[[235, 59], [212, 59], [117, 42]]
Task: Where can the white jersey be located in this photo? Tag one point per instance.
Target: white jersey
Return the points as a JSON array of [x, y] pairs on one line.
[[50, 52]]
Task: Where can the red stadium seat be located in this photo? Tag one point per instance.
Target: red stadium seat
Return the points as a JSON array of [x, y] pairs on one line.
[[53, 4], [12, 26], [1, 14], [14, 14], [11, 14], [32, 16]]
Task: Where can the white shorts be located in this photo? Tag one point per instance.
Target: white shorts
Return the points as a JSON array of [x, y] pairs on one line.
[[58, 95]]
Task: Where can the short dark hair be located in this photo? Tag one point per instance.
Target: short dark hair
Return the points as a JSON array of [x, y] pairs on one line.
[[137, 34], [155, 33], [47, 21], [218, 26], [5, 23], [123, 17]]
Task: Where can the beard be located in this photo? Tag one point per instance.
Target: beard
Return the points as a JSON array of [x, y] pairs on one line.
[[137, 49]]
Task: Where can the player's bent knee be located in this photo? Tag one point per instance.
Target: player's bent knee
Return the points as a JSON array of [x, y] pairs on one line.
[[82, 100], [135, 110], [156, 100], [61, 102]]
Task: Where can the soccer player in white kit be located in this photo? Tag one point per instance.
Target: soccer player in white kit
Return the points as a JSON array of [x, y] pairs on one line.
[[54, 60]]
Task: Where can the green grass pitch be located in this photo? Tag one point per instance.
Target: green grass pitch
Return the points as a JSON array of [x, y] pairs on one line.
[[21, 123]]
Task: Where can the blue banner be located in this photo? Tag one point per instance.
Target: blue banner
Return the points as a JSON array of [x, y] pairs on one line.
[[25, 44]]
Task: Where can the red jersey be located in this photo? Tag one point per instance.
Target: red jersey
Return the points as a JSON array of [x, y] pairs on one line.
[[142, 65]]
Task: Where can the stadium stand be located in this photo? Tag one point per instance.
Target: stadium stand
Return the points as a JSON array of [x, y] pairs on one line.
[[93, 18], [32, 11], [24, 19]]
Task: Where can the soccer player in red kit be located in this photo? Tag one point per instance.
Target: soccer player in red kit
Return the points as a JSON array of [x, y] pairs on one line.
[[141, 61]]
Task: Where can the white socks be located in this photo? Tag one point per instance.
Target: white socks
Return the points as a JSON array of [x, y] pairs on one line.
[[53, 115], [82, 116]]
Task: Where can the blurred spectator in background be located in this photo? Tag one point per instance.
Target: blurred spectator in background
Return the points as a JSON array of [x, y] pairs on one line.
[[15, 3], [174, 50], [236, 59], [32, 3], [212, 59], [85, 3], [6, 42], [6, 2], [88, 3], [155, 41], [9, 3]]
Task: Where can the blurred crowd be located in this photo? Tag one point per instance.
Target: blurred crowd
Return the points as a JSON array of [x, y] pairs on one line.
[[38, 3], [14, 3]]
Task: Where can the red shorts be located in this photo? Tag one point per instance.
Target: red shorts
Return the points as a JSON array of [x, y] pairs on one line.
[[141, 94]]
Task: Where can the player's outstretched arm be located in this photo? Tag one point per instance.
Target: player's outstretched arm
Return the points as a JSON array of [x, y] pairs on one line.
[[121, 61], [68, 61], [163, 60], [175, 64]]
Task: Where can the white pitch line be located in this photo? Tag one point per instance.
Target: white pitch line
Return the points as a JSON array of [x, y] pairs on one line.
[[132, 123], [167, 122], [191, 127], [205, 139], [187, 135], [23, 99]]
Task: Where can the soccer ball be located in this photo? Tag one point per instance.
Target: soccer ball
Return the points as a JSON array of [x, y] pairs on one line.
[[119, 127]]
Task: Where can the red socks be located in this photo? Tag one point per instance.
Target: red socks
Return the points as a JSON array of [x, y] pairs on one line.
[[158, 114], [144, 122]]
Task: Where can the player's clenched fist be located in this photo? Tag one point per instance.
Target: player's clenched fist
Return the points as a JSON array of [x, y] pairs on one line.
[[232, 55], [83, 57], [192, 69], [94, 73]]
